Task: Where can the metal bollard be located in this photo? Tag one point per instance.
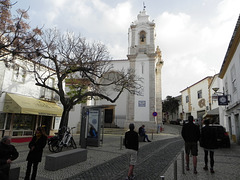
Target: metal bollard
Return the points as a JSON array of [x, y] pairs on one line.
[[175, 170], [183, 171], [121, 142], [162, 177]]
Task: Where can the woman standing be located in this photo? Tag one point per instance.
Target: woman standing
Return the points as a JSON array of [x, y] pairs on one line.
[[36, 146], [208, 141]]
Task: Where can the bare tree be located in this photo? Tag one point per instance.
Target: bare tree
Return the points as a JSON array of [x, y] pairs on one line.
[[16, 37], [84, 66]]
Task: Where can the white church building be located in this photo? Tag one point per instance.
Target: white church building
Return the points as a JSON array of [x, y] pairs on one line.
[[145, 58]]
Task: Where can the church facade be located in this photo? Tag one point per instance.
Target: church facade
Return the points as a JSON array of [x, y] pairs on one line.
[[145, 58]]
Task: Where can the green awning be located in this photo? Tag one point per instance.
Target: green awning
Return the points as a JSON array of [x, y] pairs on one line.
[[28, 105]]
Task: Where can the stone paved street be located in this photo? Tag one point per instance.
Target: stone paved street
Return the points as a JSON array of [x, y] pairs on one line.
[[153, 159], [109, 160]]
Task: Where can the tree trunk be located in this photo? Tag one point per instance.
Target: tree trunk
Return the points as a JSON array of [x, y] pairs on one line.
[[64, 119]]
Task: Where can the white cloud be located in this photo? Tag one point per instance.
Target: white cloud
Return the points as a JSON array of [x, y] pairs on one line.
[[192, 49], [193, 41]]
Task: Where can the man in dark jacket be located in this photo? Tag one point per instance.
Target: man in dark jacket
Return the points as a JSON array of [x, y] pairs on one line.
[[8, 153], [191, 135], [142, 132], [208, 141], [132, 144]]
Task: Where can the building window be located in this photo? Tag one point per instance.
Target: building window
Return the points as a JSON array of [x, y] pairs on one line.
[[233, 79], [19, 73], [47, 93], [199, 94], [187, 99], [226, 88], [23, 124]]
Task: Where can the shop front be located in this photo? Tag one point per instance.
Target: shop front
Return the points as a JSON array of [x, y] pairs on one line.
[[22, 115]]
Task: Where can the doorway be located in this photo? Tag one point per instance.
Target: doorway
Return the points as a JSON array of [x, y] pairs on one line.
[[237, 128], [46, 123]]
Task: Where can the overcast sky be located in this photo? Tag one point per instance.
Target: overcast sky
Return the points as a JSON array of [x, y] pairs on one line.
[[193, 35]]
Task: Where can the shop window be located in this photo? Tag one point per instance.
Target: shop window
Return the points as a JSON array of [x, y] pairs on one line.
[[23, 121], [23, 124]]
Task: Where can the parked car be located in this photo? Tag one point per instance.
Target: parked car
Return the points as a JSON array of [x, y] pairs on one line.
[[223, 139], [177, 121], [182, 122]]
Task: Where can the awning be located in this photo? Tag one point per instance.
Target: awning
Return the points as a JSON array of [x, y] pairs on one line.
[[213, 112], [27, 105]]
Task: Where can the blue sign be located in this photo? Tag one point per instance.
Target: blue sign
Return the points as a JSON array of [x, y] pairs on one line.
[[154, 114]]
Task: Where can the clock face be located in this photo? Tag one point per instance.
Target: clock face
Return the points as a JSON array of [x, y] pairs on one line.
[[223, 99]]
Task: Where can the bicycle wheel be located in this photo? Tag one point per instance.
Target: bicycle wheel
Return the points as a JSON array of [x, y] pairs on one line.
[[73, 144], [56, 147], [50, 148], [51, 142]]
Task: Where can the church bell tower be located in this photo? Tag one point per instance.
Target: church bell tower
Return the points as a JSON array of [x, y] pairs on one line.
[[146, 60]]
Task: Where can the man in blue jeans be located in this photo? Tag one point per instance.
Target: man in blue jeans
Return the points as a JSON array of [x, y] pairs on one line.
[[142, 132], [191, 135]]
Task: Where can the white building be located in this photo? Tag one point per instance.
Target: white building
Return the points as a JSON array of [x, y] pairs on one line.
[[230, 74], [145, 59], [196, 99], [23, 105]]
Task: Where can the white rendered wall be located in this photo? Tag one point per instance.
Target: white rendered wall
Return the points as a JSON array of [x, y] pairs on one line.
[[142, 113], [233, 107]]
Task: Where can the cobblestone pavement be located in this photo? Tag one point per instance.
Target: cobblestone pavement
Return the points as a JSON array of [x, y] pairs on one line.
[[109, 160], [108, 150], [153, 159], [226, 166]]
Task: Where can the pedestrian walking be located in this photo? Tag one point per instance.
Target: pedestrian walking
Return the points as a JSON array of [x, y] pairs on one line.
[[191, 134], [132, 144], [8, 153], [208, 141], [36, 146]]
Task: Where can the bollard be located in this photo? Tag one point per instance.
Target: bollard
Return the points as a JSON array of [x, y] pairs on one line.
[[162, 177], [121, 142], [152, 135], [175, 170], [183, 171]]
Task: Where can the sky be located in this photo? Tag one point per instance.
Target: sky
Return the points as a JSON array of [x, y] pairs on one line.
[[193, 35]]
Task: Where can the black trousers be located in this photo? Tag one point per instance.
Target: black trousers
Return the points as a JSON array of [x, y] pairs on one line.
[[34, 171], [4, 171], [211, 158]]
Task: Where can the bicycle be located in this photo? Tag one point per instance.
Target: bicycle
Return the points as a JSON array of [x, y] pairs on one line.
[[62, 139]]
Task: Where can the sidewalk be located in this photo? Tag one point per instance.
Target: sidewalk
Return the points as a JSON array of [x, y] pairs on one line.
[[108, 150], [227, 161], [226, 167]]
